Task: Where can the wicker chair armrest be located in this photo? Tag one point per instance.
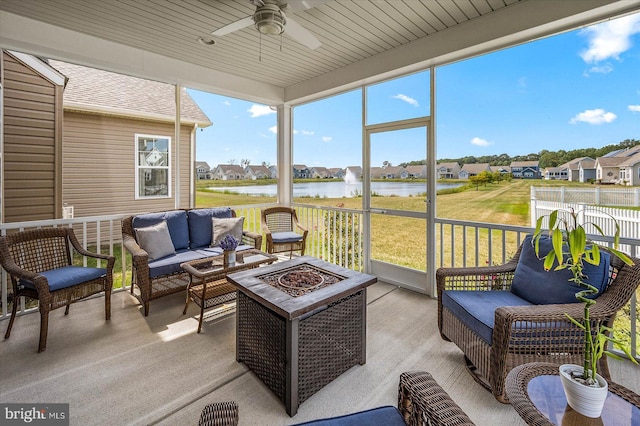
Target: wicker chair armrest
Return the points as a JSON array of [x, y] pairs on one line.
[[219, 414], [84, 252], [421, 400], [497, 277], [132, 247], [17, 273], [252, 238]]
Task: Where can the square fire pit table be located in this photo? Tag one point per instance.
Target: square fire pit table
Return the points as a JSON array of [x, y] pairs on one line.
[[300, 324]]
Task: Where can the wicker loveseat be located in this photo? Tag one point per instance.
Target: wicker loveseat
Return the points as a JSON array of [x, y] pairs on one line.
[[191, 233], [497, 330]]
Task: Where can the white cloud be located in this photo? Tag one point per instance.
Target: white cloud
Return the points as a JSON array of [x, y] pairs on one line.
[[602, 69], [327, 139], [610, 39], [307, 132], [274, 130], [406, 99], [260, 110], [480, 142], [594, 116], [634, 108], [227, 103]]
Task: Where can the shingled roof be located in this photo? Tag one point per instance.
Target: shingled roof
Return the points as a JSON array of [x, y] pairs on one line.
[[104, 92]]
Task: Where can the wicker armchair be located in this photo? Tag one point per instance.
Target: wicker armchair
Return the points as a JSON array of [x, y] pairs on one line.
[[421, 401], [523, 334], [283, 232], [41, 267]]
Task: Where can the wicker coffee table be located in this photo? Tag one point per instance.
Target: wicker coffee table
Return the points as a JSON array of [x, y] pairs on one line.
[[208, 284], [535, 391], [298, 337]]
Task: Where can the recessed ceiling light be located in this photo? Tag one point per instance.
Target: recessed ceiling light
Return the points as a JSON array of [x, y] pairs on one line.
[[206, 41]]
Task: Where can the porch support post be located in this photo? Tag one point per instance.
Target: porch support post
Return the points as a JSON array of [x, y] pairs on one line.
[[175, 165], [431, 189], [285, 156]]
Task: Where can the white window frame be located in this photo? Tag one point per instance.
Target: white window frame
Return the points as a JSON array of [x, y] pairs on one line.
[[137, 195]]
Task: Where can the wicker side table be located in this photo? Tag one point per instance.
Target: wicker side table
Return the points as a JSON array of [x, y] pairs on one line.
[[208, 284], [535, 391]]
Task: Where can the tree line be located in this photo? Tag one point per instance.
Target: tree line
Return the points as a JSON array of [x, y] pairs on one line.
[[546, 158]]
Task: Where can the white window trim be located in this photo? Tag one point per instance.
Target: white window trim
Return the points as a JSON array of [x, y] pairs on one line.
[[137, 195]]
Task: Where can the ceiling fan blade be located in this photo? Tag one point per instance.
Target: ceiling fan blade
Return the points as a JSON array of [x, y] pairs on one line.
[[301, 34], [299, 5], [234, 26]]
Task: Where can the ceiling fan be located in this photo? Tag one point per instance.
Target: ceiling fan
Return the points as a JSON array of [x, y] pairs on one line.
[[270, 19]]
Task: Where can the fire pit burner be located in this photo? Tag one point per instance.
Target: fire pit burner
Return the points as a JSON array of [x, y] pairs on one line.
[[301, 279]]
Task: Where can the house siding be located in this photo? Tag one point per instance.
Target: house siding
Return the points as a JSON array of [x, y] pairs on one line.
[[99, 164], [32, 108]]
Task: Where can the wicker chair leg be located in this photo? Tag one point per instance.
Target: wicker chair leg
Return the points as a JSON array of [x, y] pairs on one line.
[[107, 304], [14, 311], [66, 309], [146, 309], [44, 328]]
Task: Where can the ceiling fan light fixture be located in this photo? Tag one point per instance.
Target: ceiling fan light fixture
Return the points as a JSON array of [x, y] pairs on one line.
[[270, 20]]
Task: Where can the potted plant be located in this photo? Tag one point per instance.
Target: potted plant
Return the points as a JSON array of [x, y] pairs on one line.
[[571, 249], [229, 245]]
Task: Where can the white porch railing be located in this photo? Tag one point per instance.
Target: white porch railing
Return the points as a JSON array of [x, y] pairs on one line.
[[335, 235]]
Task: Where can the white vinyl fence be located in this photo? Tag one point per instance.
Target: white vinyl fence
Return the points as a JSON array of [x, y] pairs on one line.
[[604, 217], [599, 196]]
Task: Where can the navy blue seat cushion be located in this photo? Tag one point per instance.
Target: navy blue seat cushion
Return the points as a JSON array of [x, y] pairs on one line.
[[477, 309], [200, 228], [286, 237], [381, 416], [531, 282], [68, 276], [171, 264], [176, 222]]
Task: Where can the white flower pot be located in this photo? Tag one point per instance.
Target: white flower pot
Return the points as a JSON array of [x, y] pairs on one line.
[[586, 400]]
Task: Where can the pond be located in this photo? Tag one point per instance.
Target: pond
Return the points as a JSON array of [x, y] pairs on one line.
[[339, 189]]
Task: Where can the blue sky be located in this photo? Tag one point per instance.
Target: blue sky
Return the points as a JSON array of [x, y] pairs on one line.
[[575, 90]]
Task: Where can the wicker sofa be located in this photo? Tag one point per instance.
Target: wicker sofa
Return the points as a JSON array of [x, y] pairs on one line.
[[190, 231], [498, 332]]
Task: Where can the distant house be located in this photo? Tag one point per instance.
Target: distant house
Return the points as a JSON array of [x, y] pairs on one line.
[[300, 171], [586, 170], [621, 167], [630, 170], [320, 173], [608, 169], [573, 173], [273, 172], [203, 171], [448, 170], [526, 169], [98, 141], [556, 173], [503, 170], [252, 172], [417, 172], [336, 172], [393, 172], [228, 172], [474, 169]]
